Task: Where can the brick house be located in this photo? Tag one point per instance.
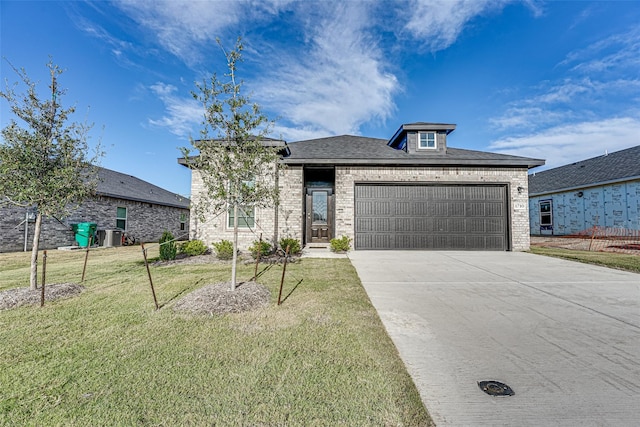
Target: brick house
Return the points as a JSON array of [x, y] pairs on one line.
[[121, 202], [408, 192], [603, 191]]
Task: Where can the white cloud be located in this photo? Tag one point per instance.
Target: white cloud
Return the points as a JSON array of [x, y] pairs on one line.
[[438, 23], [339, 82], [182, 114], [569, 143], [570, 99], [332, 78], [184, 27], [618, 51], [527, 118]]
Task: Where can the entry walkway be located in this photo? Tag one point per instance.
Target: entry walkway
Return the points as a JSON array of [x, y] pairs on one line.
[[565, 336]]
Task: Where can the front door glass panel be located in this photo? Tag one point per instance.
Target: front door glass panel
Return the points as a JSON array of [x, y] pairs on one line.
[[319, 207]]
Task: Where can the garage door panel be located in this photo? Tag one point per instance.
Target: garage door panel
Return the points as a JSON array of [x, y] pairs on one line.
[[412, 225], [495, 242], [457, 209], [494, 209], [431, 217], [379, 241], [456, 225], [494, 225], [375, 208], [475, 209], [379, 225]]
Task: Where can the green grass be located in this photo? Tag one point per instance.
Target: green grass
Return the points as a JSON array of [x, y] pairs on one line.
[[107, 357], [614, 260]]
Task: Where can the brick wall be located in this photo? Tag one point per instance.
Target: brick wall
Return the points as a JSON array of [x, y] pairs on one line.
[[214, 226], [290, 221], [146, 222]]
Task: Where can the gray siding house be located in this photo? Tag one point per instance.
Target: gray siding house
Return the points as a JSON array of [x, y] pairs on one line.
[[409, 192], [121, 202], [603, 191]]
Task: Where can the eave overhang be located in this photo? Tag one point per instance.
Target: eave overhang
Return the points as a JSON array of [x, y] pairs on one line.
[[431, 162]]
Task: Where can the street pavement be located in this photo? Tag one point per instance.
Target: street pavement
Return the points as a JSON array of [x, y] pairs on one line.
[[565, 336]]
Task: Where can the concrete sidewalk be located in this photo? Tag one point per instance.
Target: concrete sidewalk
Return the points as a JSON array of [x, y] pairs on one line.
[[564, 335]]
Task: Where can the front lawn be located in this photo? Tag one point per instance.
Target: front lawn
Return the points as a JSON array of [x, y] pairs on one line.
[[608, 259], [106, 357]]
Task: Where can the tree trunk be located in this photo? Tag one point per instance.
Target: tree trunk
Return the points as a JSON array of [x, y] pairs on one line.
[[33, 279], [235, 247]]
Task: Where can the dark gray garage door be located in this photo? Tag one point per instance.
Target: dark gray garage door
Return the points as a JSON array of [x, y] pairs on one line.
[[472, 217]]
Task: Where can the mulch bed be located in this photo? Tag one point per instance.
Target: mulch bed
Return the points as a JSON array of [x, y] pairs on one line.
[[212, 259], [24, 296], [219, 299]]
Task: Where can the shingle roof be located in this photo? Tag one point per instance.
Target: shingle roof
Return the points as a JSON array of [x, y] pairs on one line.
[[350, 149], [612, 167], [123, 186]]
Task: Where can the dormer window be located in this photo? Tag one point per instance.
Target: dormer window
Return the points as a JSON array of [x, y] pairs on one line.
[[427, 140]]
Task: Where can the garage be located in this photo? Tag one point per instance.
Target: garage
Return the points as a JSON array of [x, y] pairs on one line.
[[431, 216]]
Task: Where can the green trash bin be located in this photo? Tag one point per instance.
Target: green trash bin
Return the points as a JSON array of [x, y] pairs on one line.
[[84, 231]]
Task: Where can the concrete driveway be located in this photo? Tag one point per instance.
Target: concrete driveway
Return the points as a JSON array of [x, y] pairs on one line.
[[564, 336]]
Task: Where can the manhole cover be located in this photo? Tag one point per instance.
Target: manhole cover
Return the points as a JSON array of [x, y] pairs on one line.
[[495, 388]]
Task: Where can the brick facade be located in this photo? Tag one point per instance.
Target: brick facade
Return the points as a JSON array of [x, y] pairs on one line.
[[290, 222], [145, 221]]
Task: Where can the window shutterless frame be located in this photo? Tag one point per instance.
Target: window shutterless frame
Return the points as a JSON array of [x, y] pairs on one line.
[[246, 217], [427, 140], [546, 213], [121, 218]]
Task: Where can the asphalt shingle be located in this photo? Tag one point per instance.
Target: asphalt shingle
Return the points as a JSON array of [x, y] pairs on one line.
[[611, 167], [123, 186], [350, 149]]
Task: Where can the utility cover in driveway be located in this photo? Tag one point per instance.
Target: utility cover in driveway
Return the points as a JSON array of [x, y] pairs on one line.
[[440, 217], [495, 388]]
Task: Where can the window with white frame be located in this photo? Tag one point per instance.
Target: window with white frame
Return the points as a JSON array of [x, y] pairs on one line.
[[121, 218], [426, 140], [546, 213]]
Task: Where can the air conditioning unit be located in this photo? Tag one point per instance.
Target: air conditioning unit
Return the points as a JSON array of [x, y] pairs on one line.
[[112, 238]]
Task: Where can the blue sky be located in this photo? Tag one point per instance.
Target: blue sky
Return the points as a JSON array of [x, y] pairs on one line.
[[552, 80]]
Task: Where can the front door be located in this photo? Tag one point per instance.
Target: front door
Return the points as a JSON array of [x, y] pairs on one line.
[[319, 208]]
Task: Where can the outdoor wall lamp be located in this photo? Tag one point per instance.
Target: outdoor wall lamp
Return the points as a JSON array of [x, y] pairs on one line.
[[579, 194], [520, 190]]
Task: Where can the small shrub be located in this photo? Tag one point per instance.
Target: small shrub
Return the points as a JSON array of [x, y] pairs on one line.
[[342, 244], [168, 247], [193, 248], [264, 248], [294, 245], [224, 249]]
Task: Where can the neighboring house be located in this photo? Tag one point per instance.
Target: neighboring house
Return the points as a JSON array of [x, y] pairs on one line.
[[410, 192], [603, 191], [122, 202]]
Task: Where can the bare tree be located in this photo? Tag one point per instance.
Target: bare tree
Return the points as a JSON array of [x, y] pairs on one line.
[[234, 156], [44, 161]]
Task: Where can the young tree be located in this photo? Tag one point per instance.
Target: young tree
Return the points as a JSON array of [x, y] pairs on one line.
[[236, 163], [44, 161]]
